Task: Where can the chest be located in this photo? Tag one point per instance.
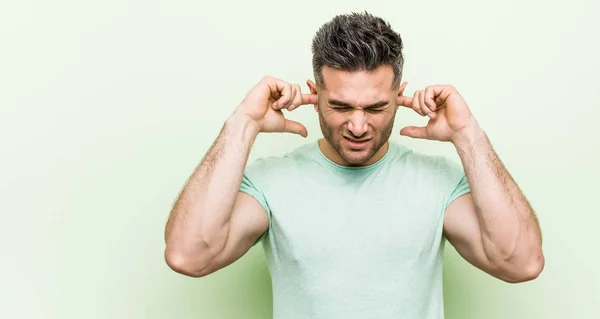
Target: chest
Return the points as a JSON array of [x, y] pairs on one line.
[[348, 223]]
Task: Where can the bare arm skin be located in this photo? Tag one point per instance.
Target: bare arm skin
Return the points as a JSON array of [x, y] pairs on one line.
[[212, 223], [198, 228], [494, 228]]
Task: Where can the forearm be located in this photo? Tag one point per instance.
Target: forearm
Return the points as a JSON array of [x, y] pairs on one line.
[[198, 223], [510, 231]]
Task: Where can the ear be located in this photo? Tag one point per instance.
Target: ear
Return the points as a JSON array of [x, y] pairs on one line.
[[401, 92], [401, 89], [313, 90]]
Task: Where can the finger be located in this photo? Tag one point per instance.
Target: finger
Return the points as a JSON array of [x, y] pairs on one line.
[[441, 94], [423, 107], [287, 96], [309, 99], [280, 92], [305, 99], [416, 104], [297, 100], [274, 91], [405, 101], [429, 98], [295, 127], [414, 132]]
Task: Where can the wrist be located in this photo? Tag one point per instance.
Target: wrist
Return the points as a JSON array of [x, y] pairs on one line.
[[244, 123], [468, 137]]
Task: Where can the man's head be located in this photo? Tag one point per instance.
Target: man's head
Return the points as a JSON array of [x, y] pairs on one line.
[[357, 64]]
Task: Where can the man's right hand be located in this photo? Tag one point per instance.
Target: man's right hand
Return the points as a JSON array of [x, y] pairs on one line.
[[264, 102]]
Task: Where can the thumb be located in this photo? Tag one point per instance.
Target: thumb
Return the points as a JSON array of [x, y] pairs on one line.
[[295, 127], [414, 131]]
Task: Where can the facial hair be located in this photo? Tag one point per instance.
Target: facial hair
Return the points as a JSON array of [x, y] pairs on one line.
[[335, 140]]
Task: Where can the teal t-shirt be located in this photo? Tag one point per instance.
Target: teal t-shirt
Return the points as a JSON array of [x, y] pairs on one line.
[[355, 242]]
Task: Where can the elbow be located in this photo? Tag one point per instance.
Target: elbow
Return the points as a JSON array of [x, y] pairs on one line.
[[183, 265], [192, 255], [526, 271], [534, 268], [193, 265]]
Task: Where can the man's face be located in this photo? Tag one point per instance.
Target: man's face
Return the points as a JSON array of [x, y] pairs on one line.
[[356, 113]]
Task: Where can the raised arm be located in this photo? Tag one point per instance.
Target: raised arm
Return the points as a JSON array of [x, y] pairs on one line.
[[494, 228], [212, 224]]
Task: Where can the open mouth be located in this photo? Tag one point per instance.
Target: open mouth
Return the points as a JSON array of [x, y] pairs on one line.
[[356, 144]]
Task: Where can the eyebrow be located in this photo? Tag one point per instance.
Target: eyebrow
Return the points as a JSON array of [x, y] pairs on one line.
[[345, 104]]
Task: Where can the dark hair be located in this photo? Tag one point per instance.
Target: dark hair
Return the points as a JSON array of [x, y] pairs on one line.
[[356, 42]]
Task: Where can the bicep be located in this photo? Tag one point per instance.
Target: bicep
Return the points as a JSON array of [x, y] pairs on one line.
[[461, 228], [248, 222]]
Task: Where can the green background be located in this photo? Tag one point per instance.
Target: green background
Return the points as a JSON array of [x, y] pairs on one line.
[[107, 107]]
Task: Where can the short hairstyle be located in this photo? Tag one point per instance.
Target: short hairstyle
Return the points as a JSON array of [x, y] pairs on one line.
[[357, 42]]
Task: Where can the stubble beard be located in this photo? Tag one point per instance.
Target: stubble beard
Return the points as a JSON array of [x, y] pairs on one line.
[[354, 157]]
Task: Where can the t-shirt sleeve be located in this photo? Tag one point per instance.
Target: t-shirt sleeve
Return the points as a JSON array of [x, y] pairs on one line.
[[456, 179], [253, 174]]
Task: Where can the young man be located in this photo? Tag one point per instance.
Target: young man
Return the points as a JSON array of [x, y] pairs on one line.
[[354, 225]]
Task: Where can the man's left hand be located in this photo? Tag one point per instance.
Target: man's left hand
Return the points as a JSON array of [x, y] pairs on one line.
[[448, 113]]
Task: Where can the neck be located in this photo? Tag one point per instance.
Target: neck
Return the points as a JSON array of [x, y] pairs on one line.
[[335, 157]]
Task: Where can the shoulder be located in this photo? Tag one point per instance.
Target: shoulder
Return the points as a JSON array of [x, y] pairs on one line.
[[280, 164], [426, 163]]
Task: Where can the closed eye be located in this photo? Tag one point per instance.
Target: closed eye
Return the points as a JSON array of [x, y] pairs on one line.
[[342, 109], [343, 106]]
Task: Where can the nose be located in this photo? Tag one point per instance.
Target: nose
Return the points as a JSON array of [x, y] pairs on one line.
[[357, 124]]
